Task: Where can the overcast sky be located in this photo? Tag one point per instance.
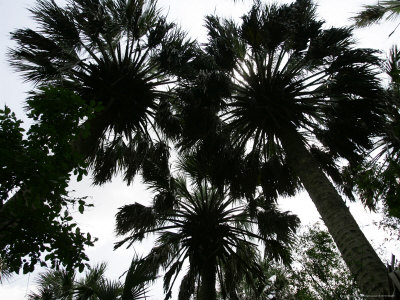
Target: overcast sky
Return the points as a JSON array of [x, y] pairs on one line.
[[100, 220]]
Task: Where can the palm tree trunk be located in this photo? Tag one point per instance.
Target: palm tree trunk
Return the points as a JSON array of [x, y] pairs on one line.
[[208, 280], [364, 264]]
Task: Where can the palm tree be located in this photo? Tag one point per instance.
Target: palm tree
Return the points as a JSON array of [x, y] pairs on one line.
[[62, 284], [306, 94], [54, 284], [104, 51], [207, 228], [94, 285], [388, 172]]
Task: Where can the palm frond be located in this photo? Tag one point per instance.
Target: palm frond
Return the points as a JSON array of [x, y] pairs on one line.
[[108, 52], [138, 277], [372, 14], [206, 224], [135, 217]]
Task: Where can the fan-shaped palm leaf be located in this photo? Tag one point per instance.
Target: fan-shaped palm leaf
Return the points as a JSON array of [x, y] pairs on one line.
[[139, 275], [55, 284], [104, 51], [63, 285], [208, 229]]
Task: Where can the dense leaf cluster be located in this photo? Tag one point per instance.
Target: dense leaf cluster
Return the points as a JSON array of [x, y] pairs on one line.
[[38, 227], [64, 285], [201, 224]]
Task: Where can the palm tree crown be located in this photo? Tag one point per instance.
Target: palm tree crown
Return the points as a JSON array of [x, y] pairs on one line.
[[63, 285], [295, 74], [105, 51], [210, 230], [280, 71]]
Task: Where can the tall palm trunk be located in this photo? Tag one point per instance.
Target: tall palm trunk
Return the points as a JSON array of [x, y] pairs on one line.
[[208, 280], [369, 271]]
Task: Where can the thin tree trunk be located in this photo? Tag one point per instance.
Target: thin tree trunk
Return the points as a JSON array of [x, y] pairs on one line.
[[208, 280], [364, 264]]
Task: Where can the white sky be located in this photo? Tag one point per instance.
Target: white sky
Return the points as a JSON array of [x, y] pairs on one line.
[[99, 221]]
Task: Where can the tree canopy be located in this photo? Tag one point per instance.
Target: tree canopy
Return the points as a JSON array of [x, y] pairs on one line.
[[317, 272], [216, 234], [41, 222], [293, 99], [267, 106], [64, 285]]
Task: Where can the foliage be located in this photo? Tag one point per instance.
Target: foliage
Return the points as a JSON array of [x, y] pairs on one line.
[[389, 224], [293, 98], [279, 71], [295, 78], [274, 284], [107, 52], [100, 54], [40, 221], [317, 272], [372, 14], [206, 227], [377, 180], [138, 277], [63, 285]]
